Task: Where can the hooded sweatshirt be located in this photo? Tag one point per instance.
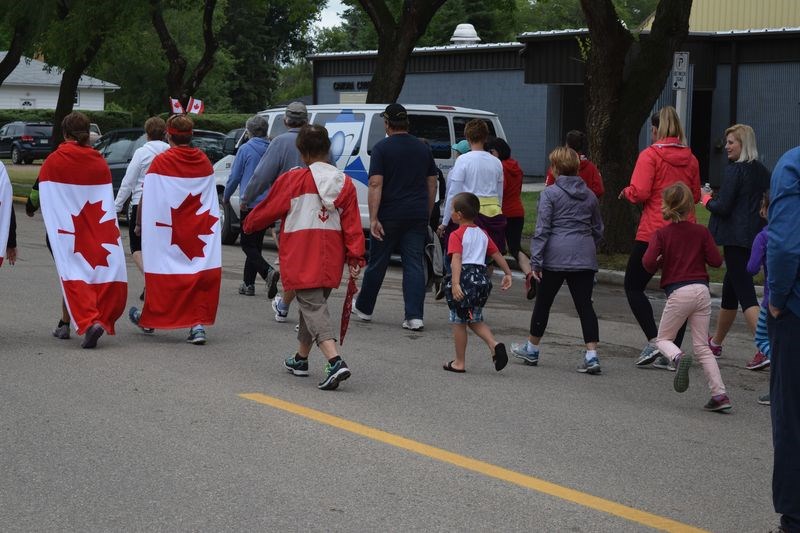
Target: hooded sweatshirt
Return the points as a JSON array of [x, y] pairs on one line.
[[512, 189], [568, 227], [659, 166], [588, 171], [131, 185], [321, 227]]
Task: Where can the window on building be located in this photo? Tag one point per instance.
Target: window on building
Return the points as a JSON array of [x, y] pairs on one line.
[[77, 98]]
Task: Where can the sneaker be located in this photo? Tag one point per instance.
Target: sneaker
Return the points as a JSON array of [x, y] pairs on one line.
[[719, 403], [334, 373], [592, 366], [520, 351], [649, 354], [134, 315], [764, 399], [664, 363], [247, 290], [414, 324], [197, 335], [94, 332], [297, 366], [716, 350], [280, 316], [363, 316], [61, 331], [273, 277], [681, 381], [759, 362]]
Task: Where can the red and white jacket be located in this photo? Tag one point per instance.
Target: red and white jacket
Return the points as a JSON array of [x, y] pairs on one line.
[[321, 227]]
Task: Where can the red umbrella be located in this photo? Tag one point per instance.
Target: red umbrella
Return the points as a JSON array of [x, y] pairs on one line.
[[347, 309]]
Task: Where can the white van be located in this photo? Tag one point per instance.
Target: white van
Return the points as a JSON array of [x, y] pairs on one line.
[[354, 130]]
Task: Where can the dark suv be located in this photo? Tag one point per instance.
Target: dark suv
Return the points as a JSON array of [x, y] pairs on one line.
[[26, 141]]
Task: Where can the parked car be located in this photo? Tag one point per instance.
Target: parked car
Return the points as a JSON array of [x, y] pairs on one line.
[[117, 147], [94, 133], [354, 129], [26, 141]]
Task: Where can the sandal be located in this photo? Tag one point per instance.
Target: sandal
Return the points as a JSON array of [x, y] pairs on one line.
[[449, 368], [530, 286]]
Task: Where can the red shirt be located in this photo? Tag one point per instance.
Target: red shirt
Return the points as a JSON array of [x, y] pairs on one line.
[[682, 250], [588, 173], [512, 189]]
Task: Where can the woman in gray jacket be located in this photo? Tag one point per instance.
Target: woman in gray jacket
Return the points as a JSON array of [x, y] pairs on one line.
[[564, 248]]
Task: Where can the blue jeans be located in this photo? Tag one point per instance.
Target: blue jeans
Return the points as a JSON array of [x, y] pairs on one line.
[[408, 238]]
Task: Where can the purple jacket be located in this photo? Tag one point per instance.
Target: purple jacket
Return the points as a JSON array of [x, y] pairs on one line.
[[568, 227], [758, 258]]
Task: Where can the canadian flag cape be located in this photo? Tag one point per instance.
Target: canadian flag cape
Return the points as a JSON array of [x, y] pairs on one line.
[[5, 210], [181, 244], [78, 209]]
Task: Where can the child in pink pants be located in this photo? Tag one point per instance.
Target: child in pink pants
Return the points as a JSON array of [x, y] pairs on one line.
[[682, 250]]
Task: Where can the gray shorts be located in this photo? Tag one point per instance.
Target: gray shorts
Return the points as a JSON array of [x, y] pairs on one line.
[[315, 320]]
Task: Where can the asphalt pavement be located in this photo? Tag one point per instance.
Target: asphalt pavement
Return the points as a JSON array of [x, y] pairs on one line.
[[149, 433]]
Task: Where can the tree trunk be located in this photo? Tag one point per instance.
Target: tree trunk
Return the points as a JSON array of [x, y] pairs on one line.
[[13, 55], [624, 78]]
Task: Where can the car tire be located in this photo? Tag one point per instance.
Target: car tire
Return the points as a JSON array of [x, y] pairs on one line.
[[228, 234], [16, 156]]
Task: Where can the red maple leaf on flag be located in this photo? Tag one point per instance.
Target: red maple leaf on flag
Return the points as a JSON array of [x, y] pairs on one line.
[[188, 225], [91, 234]]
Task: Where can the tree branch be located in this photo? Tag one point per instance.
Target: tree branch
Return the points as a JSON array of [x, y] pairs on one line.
[[177, 63], [206, 62], [380, 15], [14, 53]]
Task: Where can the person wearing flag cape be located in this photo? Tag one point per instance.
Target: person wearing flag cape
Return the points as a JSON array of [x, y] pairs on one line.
[[319, 209], [178, 221], [77, 204]]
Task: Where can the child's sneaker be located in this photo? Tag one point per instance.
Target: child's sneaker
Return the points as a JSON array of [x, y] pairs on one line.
[[720, 403], [334, 374], [759, 362], [716, 350], [61, 331], [592, 366], [247, 290], [520, 351], [134, 315], [681, 381], [197, 335], [664, 363], [94, 332], [297, 366], [648, 354], [273, 277], [281, 310]]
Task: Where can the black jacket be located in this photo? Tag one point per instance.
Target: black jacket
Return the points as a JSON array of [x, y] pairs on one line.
[[735, 218]]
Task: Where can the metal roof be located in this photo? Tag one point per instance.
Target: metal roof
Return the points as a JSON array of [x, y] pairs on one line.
[[423, 50], [550, 34], [726, 15], [31, 72]]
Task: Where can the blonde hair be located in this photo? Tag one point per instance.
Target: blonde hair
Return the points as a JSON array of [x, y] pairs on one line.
[[676, 202], [669, 125], [564, 161], [747, 138]]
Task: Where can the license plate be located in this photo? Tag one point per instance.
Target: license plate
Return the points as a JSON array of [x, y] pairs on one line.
[[43, 141]]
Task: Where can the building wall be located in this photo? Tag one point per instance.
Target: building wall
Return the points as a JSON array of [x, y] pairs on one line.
[[12, 97], [522, 109]]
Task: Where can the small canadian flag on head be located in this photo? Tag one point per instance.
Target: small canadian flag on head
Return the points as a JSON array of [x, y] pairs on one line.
[[195, 106], [176, 105]]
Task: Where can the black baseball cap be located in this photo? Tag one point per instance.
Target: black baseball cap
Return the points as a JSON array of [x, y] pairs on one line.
[[395, 112]]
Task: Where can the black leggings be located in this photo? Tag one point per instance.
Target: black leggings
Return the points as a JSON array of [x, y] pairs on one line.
[[636, 280], [514, 235], [580, 283], [252, 244], [737, 285]]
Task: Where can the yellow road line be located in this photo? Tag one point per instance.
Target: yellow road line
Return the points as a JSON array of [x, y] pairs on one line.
[[487, 469]]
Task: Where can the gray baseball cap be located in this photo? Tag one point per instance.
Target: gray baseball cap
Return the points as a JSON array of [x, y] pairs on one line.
[[296, 111]]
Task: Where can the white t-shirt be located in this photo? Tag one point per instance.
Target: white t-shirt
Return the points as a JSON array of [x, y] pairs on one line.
[[477, 172]]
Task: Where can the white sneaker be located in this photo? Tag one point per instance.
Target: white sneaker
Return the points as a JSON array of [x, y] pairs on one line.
[[280, 316], [363, 316], [415, 324]]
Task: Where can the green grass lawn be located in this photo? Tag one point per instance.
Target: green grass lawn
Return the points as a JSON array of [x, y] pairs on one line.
[[611, 261], [22, 176]]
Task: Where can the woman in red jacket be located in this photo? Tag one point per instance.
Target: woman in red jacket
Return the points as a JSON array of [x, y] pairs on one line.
[[512, 206], [667, 161]]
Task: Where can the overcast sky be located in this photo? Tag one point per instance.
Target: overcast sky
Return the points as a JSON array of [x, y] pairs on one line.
[[330, 15]]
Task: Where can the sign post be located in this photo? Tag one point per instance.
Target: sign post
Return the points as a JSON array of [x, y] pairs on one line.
[[680, 75]]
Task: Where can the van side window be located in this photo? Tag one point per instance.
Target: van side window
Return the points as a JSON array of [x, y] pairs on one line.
[[345, 130], [460, 122], [278, 126], [435, 130], [376, 131]]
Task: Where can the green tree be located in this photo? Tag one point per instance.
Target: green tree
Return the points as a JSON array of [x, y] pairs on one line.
[[624, 77], [20, 26], [538, 15], [294, 81]]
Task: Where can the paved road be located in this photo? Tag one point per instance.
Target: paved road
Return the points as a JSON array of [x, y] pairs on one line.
[[150, 433]]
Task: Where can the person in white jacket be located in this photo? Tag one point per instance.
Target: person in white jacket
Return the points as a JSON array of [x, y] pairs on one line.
[[131, 186]]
